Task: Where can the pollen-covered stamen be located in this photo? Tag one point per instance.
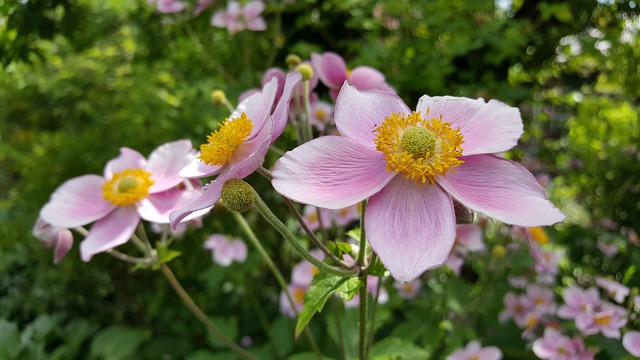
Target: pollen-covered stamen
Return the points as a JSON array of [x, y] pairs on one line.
[[223, 142], [418, 148], [127, 186]]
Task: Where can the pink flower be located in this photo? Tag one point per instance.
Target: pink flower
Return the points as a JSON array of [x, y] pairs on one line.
[[297, 294], [51, 236], [321, 114], [311, 218], [517, 307], [616, 290], [577, 302], [238, 148], [202, 6], [398, 160], [603, 317], [631, 342], [555, 346], [475, 351], [132, 188], [271, 73], [468, 239], [408, 290], [332, 71], [304, 271], [607, 249], [167, 6], [238, 18], [226, 250], [345, 216], [541, 298]]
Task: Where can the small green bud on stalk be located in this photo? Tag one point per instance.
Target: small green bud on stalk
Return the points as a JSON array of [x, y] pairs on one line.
[[306, 71], [218, 97], [237, 195], [293, 60]]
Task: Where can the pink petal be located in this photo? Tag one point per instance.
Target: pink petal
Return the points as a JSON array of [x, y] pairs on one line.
[[198, 169], [233, 9], [277, 73], [470, 236], [128, 159], [331, 172], [487, 128], [281, 112], [257, 24], [501, 189], [165, 164], [331, 69], [411, 228], [359, 113], [631, 342], [366, 78], [258, 106], [109, 232], [77, 202], [219, 19], [253, 9], [157, 207], [63, 245]]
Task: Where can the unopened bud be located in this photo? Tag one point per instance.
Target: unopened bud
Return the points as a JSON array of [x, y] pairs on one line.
[[293, 60], [218, 97], [306, 71], [498, 251], [237, 195]]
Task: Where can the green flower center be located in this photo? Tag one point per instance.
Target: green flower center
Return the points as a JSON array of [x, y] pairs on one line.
[[418, 141]]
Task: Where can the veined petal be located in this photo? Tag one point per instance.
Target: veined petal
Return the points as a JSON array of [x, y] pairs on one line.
[[501, 189], [128, 159], [109, 232], [258, 106], [331, 69], [410, 227], [331, 172], [157, 207], [359, 113], [196, 168], [281, 112], [365, 78], [487, 128], [166, 162], [77, 202]]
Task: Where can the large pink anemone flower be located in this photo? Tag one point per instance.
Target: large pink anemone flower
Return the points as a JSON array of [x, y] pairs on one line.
[[132, 188], [333, 71], [239, 146], [410, 165]]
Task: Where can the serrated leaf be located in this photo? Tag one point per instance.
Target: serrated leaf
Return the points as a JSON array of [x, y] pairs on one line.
[[349, 288], [322, 286], [395, 348]]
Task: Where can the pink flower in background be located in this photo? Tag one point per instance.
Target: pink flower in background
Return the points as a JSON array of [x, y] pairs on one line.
[[301, 276], [410, 165], [541, 298], [332, 71], [311, 218], [607, 249], [475, 351], [132, 188], [577, 302], [468, 240], [238, 148], [237, 17], [555, 346], [226, 250], [167, 6], [616, 290], [321, 114], [605, 318], [631, 342], [345, 216], [297, 292], [516, 307], [408, 290], [202, 6], [50, 236]]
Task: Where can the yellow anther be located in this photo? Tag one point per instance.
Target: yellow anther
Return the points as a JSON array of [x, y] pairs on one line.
[[127, 187], [223, 142]]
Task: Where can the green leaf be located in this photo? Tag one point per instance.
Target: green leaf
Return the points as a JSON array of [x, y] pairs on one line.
[[322, 286], [10, 346], [345, 248], [378, 269], [395, 348], [354, 234], [282, 336], [117, 342], [349, 288]]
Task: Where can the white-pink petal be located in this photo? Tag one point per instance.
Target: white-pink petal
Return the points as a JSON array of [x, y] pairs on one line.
[[631, 342], [109, 232], [258, 106], [157, 207], [77, 202], [501, 189], [281, 111], [165, 164], [359, 113], [366, 78], [196, 168], [128, 159], [332, 172], [487, 128], [410, 227], [331, 69]]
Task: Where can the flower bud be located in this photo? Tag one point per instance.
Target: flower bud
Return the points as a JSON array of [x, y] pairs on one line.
[[218, 97], [306, 71], [237, 195], [498, 251], [293, 60]]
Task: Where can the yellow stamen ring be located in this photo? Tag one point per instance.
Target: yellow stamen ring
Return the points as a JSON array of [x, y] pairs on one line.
[[418, 148], [127, 187], [223, 142]]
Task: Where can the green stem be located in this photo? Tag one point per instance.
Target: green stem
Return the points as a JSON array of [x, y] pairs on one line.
[[274, 269], [188, 301], [336, 313], [130, 259], [363, 239], [307, 109], [374, 307], [273, 220], [363, 318]]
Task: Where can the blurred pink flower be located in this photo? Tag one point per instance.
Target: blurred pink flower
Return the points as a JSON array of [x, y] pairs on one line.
[[608, 249], [297, 292], [516, 307], [132, 188], [332, 71], [616, 290], [555, 346], [310, 216], [237, 17], [468, 239], [50, 236], [202, 6], [226, 250], [321, 115], [168, 6], [605, 318], [475, 351], [577, 301], [541, 298], [410, 219], [345, 216], [408, 290], [238, 148], [631, 342]]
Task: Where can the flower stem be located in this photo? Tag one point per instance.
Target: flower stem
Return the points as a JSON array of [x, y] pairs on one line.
[[284, 231], [188, 301], [126, 258], [307, 110], [362, 252], [274, 269]]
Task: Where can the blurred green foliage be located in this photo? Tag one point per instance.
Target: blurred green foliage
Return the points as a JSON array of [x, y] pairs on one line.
[[82, 78]]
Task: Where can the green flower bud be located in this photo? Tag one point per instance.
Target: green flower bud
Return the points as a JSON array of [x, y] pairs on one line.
[[218, 97], [237, 195], [293, 60], [306, 71]]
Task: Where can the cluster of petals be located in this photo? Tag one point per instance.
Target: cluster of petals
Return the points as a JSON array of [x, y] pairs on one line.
[[269, 118], [556, 346], [527, 309], [613, 288], [333, 72], [225, 250], [168, 6], [591, 314], [468, 240], [81, 200], [474, 350], [412, 227], [51, 236], [238, 17]]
